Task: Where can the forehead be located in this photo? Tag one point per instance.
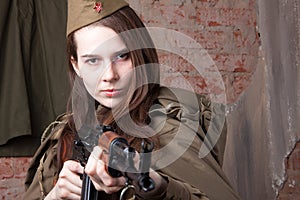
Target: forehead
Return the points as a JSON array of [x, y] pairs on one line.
[[92, 39]]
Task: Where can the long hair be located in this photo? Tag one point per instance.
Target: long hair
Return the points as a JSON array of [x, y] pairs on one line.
[[142, 52]]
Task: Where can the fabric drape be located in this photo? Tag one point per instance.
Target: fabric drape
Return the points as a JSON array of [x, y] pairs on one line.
[[34, 84]]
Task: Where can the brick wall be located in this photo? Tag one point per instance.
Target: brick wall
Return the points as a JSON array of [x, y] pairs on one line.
[[12, 176], [226, 29]]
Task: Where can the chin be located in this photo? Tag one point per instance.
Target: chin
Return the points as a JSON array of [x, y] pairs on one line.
[[110, 104]]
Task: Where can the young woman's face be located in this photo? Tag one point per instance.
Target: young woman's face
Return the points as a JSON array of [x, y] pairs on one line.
[[103, 64]]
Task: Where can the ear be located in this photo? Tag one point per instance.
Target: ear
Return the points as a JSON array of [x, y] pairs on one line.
[[75, 66]]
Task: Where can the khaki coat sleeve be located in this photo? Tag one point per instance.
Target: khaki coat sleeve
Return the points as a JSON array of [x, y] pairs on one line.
[[191, 166], [43, 172], [44, 177]]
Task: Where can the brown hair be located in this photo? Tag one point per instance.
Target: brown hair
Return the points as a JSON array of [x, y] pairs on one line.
[[142, 53]]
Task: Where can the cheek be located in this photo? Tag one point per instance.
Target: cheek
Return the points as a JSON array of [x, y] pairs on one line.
[[126, 70], [90, 85], [91, 80]]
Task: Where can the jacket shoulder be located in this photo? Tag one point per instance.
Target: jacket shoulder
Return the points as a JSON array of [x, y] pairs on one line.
[[198, 113], [43, 161]]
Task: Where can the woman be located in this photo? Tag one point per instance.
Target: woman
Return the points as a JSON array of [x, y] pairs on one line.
[[114, 63]]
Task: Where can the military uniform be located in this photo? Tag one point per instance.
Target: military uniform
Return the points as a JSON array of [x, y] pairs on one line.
[[191, 138], [189, 176]]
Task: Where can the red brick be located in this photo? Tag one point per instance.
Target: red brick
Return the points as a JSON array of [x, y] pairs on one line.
[[297, 146], [236, 84], [245, 39], [11, 182], [235, 62], [174, 63], [12, 178], [20, 167], [212, 39], [294, 196], [195, 84], [6, 168], [291, 186], [241, 82], [14, 193], [207, 3], [172, 14], [198, 83], [225, 16], [207, 85], [293, 162]]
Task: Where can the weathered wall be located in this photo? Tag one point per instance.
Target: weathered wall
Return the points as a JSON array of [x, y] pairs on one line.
[[265, 120]]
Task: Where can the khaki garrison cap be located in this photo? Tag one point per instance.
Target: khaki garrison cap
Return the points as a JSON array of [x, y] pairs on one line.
[[84, 12]]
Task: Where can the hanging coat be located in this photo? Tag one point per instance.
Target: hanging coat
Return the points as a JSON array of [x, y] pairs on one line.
[[33, 85]]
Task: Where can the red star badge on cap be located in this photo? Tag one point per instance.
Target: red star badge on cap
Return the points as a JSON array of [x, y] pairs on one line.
[[98, 7]]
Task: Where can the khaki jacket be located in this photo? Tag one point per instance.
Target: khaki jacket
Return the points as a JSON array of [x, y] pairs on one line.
[[182, 126]]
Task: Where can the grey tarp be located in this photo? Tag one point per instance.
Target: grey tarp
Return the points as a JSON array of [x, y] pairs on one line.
[[264, 123], [33, 79]]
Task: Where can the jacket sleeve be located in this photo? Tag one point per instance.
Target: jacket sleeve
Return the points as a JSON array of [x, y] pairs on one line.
[[43, 172], [42, 175], [181, 190], [192, 145]]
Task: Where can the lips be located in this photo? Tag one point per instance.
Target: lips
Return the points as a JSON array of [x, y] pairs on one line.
[[111, 92]]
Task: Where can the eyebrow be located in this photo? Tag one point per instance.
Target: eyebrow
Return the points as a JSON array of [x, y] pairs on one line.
[[89, 56], [125, 50]]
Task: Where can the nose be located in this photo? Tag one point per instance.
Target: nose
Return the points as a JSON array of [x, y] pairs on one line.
[[110, 74]]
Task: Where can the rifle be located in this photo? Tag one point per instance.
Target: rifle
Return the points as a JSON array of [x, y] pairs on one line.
[[120, 162]]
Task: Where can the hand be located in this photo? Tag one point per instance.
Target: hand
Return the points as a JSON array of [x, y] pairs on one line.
[[69, 184], [96, 170]]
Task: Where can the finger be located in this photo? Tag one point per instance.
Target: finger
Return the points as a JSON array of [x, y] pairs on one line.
[[96, 170], [97, 152], [111, 190], [72, 169], [69, 175], [110, 181], [74, 184], [64, 193], [91, 165], [67, 190], [74, 166], [100, 186]]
